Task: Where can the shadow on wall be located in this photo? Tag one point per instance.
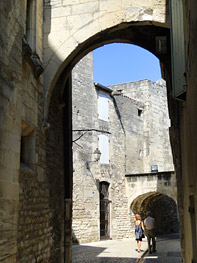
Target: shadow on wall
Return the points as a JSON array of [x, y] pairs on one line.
[[75, 241], [95, 254]]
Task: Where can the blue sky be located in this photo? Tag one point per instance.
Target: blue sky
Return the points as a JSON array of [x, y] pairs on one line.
[[119, 63]]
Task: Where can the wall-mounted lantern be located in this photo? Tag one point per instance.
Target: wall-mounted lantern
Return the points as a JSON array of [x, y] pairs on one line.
[[97, 156]]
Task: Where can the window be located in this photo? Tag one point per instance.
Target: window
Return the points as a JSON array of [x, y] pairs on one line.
[[103, 107], [104, 148], [178, 50], [139, 113]]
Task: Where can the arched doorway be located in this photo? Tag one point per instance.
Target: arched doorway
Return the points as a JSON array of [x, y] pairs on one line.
[[104, 210]]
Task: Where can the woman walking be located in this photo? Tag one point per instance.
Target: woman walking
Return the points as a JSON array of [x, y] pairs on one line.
[[139, 231]]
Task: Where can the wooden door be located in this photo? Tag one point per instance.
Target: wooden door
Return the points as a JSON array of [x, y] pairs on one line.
[[104, 211]]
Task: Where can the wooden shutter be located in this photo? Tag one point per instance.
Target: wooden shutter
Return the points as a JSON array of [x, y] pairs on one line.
[[104, 148], [103, 105], [178, 50]]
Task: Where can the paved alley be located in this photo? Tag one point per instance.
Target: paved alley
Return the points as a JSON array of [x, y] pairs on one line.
[[108, 251], [168, 250], [125, 251]]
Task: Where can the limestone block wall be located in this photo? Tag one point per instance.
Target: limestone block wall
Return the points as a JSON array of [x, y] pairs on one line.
[[86, 129], [24, 196], [187, 125], [11, 32], [85, 192], [164, 183], [120, 217], [155, 148], [133, 127]]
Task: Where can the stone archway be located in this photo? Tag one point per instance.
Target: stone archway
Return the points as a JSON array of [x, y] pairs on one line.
[[163, 209], [143, 34], [74, 29], [59, 61]]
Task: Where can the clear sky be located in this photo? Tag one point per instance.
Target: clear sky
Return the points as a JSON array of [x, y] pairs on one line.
[[119, 63]]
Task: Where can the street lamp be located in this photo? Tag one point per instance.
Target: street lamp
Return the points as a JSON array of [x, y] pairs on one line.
[[97, 156]]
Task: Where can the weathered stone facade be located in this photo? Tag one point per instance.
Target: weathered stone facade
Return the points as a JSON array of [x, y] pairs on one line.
[[71, 30], [137, 130], [21, 119]]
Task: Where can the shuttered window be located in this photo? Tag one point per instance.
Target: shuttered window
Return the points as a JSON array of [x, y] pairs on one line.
[[103, 107], [178, 50], [104, 148]]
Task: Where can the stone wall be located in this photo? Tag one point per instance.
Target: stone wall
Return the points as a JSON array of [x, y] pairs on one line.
[[85, 198], [86, 218], [152, 146], [11, 33], [25, 207], [139, 184], [188, 128]]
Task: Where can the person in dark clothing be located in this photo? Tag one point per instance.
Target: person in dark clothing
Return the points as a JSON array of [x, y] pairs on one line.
[[139, 231]]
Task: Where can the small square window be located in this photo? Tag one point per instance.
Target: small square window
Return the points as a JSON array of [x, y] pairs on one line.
[[139, 112]]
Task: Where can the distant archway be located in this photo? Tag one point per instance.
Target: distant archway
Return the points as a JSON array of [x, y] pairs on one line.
[[162, 208]]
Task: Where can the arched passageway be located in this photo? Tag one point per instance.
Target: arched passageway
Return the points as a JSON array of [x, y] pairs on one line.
[[60, 117], [162, 208]]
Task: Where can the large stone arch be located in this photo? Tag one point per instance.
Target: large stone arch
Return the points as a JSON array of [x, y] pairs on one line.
[[71, 32], [163, 183], [163, 209], [130, 24]]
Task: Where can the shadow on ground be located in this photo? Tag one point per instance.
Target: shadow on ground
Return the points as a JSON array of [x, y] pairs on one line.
[[90, 254], [168, 250]]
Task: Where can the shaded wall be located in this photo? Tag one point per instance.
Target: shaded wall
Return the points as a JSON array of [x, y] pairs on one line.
[[188, 131]]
